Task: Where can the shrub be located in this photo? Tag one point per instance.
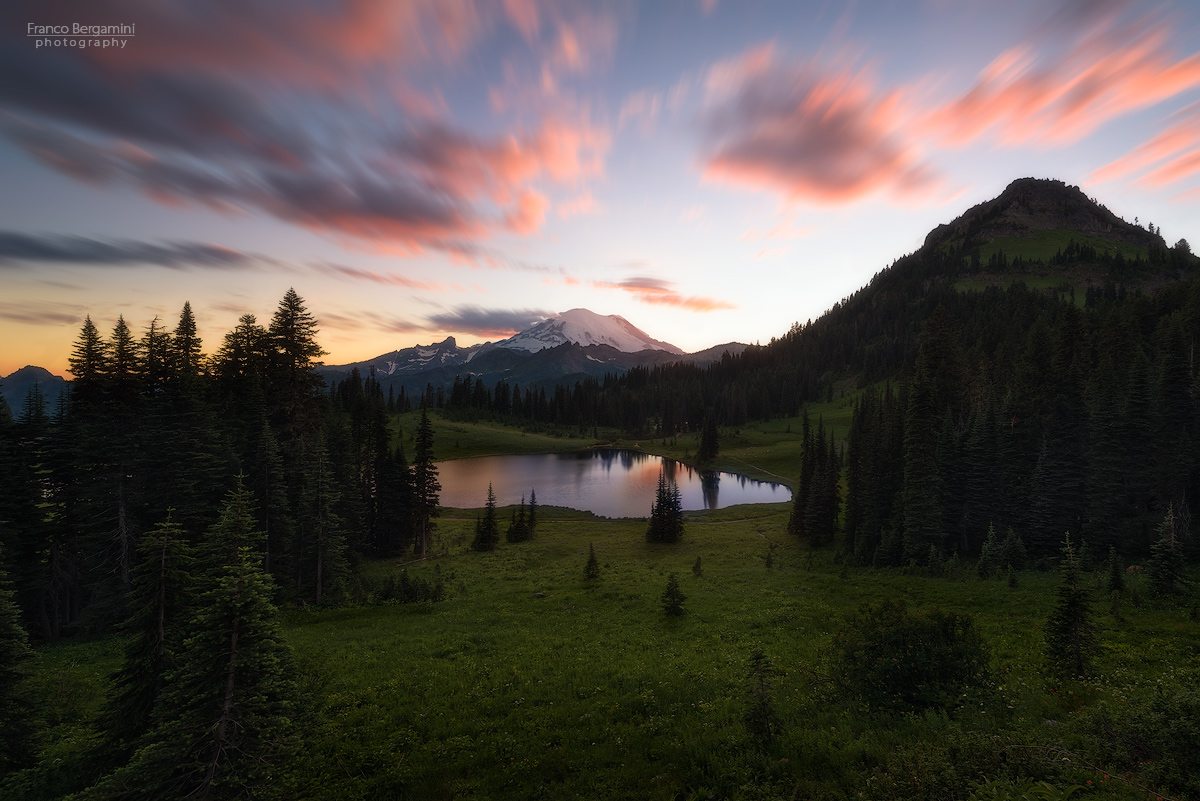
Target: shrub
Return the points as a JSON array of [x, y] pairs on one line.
[[896, 660]]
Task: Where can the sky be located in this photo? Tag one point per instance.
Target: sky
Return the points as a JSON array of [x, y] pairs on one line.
[[712, 171]]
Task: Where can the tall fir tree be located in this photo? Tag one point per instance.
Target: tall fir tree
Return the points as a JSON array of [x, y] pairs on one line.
[[225, 717], [1071, 628], [154, 632], [487, 528], [666, 514], [16, 705], [426, 488], [922, 487]]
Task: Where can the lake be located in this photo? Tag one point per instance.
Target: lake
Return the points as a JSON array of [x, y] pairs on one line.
[[611, 483]]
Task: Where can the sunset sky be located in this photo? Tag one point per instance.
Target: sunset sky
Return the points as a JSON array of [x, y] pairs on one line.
[[710, 170]]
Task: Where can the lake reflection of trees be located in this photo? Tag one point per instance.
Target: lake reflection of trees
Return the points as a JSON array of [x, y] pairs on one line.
[[710, 485]]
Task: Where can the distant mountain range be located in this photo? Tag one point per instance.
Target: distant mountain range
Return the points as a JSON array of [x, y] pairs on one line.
[[15, 387], [563, 348]]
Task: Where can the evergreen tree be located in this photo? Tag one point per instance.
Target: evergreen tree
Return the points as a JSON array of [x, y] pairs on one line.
[[591, 571], [425, 484], [225, 715], [666, 515], [922, 490], [673, 597], [154, 630], [487, 529], [321, 533], [761, 720], [1116, 572], [16, 707], [1166, 569], [518, 526], [532, 520], [1071, 629], [708, 439], [1012, 551], [293, 381], [808, 462], [185, 347], [989, 555]]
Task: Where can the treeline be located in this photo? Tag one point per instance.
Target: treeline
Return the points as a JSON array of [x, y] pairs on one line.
[[871, 336], [154, 431]]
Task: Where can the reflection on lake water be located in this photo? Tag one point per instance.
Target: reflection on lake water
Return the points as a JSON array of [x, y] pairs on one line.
[[611, 483]]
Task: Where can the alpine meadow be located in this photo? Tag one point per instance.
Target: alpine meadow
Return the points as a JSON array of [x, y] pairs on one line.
[[227, 577]]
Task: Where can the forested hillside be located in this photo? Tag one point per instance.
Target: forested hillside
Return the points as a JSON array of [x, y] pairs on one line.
[[1000, 386]]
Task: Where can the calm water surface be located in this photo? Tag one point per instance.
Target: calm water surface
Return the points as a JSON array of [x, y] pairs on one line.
[[611, 483]]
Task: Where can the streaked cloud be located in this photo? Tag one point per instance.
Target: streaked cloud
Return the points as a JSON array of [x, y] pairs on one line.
[[1170, 156], [385, 278], [488, 323], [17, 248], [33, 312], [1088, 65], [231, 108], [657, 292]]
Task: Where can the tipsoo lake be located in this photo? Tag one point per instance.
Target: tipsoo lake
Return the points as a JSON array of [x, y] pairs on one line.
[[606, 482]]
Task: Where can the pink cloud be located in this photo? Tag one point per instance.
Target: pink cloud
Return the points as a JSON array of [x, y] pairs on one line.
[[1104, 64], [1175, 151], [808, 132], [657, 292]]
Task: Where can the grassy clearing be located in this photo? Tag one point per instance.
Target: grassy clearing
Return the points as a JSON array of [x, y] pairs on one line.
[[530, 682], [1043, 245]]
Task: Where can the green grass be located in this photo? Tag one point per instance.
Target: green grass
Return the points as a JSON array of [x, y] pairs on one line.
[[458, 440], [1043, 245], [530, 682]]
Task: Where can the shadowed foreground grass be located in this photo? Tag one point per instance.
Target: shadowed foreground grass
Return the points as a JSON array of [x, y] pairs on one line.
[[530, 682]]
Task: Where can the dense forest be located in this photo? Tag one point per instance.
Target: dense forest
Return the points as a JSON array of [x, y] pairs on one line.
[[153, 431]]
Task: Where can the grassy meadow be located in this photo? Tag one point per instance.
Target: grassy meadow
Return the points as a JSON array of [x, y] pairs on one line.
[[529, 681]]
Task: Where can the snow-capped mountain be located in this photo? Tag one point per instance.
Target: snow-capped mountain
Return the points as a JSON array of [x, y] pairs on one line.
[[585, 327], [574, 343]]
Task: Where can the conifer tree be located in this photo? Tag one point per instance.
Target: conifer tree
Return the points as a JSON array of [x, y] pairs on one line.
[[808, 462], [487, 529], [1071, 629], [922, 490], [1012, 551], [591, 571], [321, 531], [425, 484], [532, 520], [225, 715], [708, 439], [159, 598], [185, 347], [762, 722], [16, 707], [1166, 569], [666, 515], [989, 555], [1116, 572], [518, 526], [673, 597]]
